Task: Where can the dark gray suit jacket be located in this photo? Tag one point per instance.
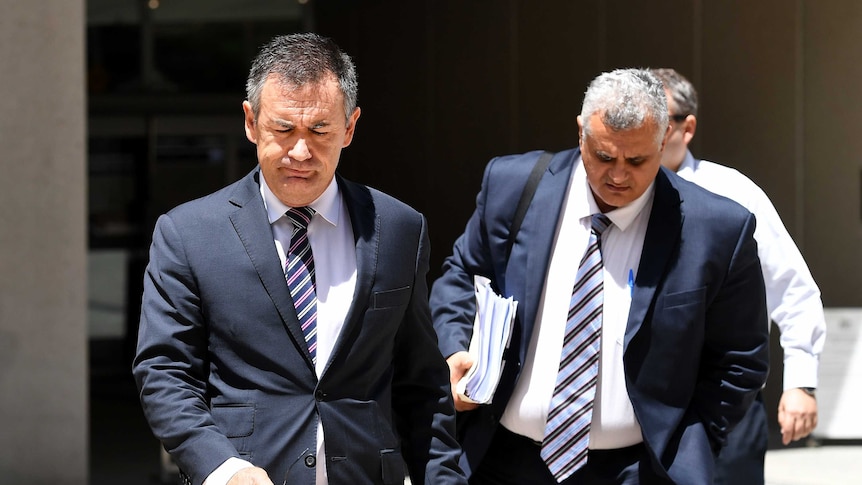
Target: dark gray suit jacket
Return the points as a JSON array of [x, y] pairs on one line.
[[223, 369], [695, 344]]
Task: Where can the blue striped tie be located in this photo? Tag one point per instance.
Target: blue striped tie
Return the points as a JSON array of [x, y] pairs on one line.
[[299, 272], [567, 431]]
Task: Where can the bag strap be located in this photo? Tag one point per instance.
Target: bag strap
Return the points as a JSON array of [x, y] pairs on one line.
[[527, 197]]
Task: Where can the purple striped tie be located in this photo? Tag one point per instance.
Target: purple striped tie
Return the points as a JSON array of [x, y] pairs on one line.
[[567, 431], [299, 272]]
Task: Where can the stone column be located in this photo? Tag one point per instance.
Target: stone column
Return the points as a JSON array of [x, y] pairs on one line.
[[43, 332]]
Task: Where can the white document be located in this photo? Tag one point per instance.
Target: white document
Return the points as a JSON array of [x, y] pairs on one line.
[[492, 329]]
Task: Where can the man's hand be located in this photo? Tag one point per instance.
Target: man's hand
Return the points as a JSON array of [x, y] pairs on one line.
[[459, 364], [797, 415], [250, 476]]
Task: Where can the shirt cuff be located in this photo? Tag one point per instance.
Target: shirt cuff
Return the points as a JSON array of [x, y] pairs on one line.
[[225, 471], [800, 371]]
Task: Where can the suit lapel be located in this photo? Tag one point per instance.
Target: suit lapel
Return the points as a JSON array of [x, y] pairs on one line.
[[539, 229], [253, 228], [660, 243], [366, 234]]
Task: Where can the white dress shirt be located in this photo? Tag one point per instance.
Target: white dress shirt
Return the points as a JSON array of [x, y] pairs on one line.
[[331, 237], [792, 297], [614, 424]]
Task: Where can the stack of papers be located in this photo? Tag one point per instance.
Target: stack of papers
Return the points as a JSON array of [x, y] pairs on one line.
[[492, 330]]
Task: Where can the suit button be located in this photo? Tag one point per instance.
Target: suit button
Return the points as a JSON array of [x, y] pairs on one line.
[[310, 461], [319, 395]]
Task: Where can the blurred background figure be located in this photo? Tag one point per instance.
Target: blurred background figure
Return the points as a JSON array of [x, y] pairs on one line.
[[792, 296]]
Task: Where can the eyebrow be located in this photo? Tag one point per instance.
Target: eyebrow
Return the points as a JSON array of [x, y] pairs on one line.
[[283, 123], [635, 159], [290, 124]]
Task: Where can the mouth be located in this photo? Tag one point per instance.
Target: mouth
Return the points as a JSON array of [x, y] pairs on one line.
[[616, 188], [294, 172]]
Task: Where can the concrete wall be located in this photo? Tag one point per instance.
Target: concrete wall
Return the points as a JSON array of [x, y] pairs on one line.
[[43, 373]]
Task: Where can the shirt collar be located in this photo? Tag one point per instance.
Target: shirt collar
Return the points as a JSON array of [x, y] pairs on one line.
[[688, 166], [622, 217], [327, 205]]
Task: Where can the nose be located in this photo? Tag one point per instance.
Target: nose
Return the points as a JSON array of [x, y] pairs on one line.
[[617, 172], [299, 152]]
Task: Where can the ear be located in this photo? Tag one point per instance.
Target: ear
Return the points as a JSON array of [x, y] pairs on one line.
[[689, 127], [250, 132], [580, 132], [351, 127], [666, 136]]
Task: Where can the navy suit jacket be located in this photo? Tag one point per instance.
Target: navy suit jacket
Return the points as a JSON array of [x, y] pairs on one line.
[[223, 369], [695, 347]]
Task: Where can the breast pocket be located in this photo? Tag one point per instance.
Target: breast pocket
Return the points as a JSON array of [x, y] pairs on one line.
[[682, 314], [685, 298], [391, 298]]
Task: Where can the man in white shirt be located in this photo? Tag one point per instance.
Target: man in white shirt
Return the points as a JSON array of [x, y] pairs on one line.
[[792, 296]]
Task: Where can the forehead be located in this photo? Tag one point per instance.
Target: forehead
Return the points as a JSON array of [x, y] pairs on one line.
[[635, 142], [324, 93]]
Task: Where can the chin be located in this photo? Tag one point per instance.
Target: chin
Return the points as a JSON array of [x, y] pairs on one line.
[[611, 203]]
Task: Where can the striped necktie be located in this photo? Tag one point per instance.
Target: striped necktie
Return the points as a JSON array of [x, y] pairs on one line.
[[299, 272], [567, 431]]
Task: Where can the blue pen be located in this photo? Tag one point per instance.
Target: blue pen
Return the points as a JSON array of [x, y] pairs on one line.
[[631, 282]]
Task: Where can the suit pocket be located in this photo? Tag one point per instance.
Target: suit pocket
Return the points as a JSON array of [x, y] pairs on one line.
[[392, 298], [682, 298], [235, 421], [392, 465]]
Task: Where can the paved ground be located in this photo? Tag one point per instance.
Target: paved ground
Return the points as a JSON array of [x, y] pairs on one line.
[[828, 464]]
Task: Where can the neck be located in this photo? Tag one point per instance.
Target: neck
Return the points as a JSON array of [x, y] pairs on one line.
[[673, 164]]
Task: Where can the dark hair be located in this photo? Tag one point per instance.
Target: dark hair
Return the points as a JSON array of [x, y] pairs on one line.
[[300, 59], [681, 90]]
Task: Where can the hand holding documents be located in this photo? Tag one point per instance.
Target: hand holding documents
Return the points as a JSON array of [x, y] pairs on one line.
[[492, 330]]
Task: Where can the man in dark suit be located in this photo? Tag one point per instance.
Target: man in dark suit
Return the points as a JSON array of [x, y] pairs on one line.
[[285, 331], [635, 371]]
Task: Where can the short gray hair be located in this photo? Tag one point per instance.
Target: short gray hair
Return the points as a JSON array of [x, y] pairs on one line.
[[626, 99], [298, 60], [681, 90]]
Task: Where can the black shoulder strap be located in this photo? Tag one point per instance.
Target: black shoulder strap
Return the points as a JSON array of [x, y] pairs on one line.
[[527, 197]]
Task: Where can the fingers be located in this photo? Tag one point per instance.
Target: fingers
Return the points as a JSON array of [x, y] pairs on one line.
[[797, 415], [462, 405], [796, 428], [250, 476], [459, 364]]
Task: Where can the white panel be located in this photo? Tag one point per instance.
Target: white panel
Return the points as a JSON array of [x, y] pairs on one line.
[[839, 391]]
